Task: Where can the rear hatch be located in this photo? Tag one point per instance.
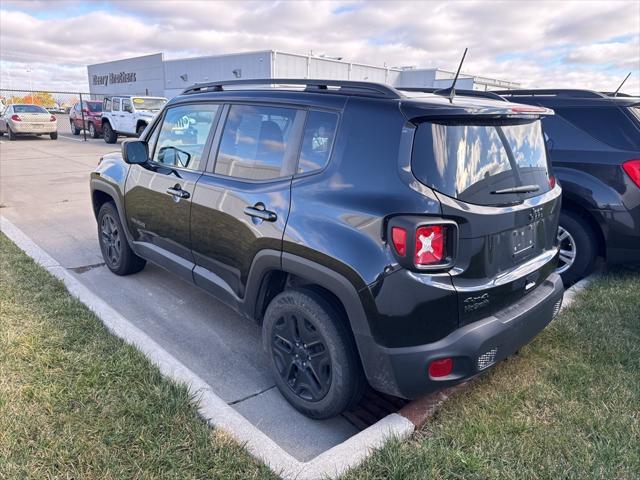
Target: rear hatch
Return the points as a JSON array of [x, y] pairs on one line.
[[491, 175]]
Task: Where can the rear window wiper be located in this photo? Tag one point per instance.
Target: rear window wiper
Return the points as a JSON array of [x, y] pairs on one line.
[[521, 189]]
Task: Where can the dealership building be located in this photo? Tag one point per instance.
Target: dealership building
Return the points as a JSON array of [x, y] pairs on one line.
[[153, 75]]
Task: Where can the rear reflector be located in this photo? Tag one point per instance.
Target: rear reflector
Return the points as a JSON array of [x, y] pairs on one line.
[[632, 168], [430, 243], [441, 368], [399, 238], [552, 182]]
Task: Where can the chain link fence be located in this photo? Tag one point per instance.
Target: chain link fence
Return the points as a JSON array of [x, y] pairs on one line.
[[65, 106]]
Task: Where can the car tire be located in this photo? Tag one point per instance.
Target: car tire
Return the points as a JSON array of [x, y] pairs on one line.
[[75, 130], [578, 244], [312, 355], [116, 252], [12, 136], [93, 132], [140, 129], [53, 135], [110, 136]]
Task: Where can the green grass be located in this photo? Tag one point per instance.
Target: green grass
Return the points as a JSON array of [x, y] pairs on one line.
[[568, 406], [77, 403]]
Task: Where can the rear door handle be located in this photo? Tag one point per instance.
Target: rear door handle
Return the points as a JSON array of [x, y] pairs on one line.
[[259, 211], [178, 192]]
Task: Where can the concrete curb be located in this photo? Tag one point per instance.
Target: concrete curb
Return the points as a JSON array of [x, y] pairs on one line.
[[330, 463], [572, 292]]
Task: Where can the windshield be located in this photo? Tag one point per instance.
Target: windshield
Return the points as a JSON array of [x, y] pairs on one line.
[[28, 109], [479, 163], [94, 107], [149, 103]]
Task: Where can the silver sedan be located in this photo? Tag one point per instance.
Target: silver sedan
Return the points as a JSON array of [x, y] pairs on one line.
[[26, 119]]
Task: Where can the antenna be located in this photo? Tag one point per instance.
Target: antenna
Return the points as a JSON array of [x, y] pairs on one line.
[[615, 94], [450, 92]]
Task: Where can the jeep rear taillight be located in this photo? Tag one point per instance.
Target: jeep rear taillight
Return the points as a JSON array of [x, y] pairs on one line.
[[422, 243], [632, 168], [430, 245]]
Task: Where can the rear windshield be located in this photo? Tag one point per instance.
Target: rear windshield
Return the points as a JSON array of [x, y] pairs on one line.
[[480, 163], [28, 109], [94, 107], [608, 124], [152, 104]]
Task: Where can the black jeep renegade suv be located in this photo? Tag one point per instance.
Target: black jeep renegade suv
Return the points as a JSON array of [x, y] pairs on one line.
[[406, 239]]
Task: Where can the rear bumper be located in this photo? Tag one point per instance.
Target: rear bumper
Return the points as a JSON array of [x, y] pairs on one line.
[[495, 337], [34, 127]]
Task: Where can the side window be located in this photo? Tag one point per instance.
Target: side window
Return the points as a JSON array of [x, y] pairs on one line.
[[126, 105], [180, 141], [116, 104], [256, 141], [319, 134], [107, 105]]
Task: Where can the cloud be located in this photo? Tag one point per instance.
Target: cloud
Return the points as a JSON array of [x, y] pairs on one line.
[[537, 43]]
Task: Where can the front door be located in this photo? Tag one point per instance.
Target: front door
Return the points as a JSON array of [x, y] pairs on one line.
[[159, 194], [241, 205]]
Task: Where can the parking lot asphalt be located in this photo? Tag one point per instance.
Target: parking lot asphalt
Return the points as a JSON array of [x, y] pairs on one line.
[[44, 191]]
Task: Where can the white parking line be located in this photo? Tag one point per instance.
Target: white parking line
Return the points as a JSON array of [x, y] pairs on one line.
[[70, 138], [211, 407]]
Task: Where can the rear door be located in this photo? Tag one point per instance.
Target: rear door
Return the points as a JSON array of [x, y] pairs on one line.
[[158, 195], [115, 117], [493, 180], [127, 122], [241, 203]]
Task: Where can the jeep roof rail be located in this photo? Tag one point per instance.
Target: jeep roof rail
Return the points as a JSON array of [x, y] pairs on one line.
[[462, 93], [551, 92], [312, 85]]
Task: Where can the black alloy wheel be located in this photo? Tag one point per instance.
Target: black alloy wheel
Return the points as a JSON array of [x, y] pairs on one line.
[[301, 357], [312, 354], [110, 240]]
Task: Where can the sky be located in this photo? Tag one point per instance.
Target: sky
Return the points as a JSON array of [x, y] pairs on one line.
[[560, 44]]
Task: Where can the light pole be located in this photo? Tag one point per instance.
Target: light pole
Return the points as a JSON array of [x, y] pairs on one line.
[[30, 82]]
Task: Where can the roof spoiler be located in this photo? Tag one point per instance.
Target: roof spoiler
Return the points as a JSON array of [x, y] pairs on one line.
[[462, 93]]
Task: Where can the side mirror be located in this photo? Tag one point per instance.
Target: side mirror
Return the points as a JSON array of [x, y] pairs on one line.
[[135, 152]]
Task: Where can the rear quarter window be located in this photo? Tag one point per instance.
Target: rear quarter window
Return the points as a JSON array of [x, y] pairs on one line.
[[607, 124]]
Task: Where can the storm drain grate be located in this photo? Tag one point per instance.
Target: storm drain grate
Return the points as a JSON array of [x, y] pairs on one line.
[[373, 407]]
